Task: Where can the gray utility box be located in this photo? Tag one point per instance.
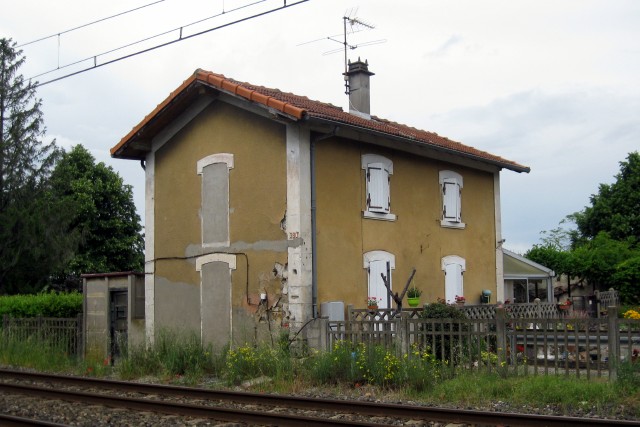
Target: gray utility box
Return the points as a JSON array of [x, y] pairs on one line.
[[334, 310]]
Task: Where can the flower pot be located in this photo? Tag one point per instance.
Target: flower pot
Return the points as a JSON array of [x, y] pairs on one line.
[[460, 303], [413, 302], [372, 307]]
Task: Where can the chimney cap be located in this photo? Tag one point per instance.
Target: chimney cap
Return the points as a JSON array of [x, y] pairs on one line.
[[359, 67]]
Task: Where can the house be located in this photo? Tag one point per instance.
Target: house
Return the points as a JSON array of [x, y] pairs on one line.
[[525, 280], [261, 205]]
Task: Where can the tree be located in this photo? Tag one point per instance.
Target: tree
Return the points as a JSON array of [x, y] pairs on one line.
[[32, 224], [598, 259], [627, 279], [102, 212], [604, 250], [616, 207], [551, 257]]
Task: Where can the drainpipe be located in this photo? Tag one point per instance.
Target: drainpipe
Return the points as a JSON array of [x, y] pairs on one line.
[[314, 256]]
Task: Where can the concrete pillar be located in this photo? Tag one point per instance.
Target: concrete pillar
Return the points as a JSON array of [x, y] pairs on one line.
[[298, 228]]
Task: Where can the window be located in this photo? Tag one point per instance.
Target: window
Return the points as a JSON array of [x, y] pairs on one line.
[[378, 263], [214, 170], [453, 267], [451, 187], [378, 171]]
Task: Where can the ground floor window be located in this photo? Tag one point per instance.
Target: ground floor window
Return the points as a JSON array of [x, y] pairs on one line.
[[527, 290], [379, 263]]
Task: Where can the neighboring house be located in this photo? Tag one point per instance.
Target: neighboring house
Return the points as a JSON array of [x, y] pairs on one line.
[[525, 280], [261, 205]]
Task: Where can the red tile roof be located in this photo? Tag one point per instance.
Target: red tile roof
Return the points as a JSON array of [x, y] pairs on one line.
[[302, 108]]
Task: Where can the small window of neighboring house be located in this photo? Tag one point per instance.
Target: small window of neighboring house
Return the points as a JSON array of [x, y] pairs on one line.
[[378, 263], [451, 188], [454, 268], [378, 171]]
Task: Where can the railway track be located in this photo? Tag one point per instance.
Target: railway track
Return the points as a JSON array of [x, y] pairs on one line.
[[259, 409]]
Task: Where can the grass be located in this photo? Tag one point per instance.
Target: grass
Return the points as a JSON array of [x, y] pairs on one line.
[[352, 369], [36, 354], [561, 393]]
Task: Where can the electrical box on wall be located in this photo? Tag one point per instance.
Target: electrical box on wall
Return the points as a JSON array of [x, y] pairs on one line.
[[334, 310]]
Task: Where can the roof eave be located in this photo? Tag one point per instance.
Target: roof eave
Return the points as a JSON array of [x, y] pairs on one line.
[[411, 141]]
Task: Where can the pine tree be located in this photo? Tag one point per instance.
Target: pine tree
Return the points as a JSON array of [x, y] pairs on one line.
[[33, 238]]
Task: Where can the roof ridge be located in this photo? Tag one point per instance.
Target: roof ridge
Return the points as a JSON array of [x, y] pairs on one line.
[[284, 93]]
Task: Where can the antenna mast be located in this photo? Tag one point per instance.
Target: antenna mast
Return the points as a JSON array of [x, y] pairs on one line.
[[353, 22]]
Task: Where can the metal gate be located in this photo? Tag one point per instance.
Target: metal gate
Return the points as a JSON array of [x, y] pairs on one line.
[[118, 329]]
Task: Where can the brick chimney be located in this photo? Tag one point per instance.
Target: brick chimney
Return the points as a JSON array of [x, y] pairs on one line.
[[358, 79]]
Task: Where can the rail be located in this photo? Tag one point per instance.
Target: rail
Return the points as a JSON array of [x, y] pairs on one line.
[[359, 408]]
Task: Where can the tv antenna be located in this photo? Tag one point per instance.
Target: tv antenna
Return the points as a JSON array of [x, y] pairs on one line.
[[350, 25]]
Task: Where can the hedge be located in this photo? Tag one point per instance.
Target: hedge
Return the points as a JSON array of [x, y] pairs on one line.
[[52, 304]]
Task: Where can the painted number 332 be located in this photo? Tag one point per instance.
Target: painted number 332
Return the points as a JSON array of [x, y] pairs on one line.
[[294, 234]]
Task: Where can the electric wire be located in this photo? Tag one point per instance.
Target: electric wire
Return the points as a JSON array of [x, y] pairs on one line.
[[96, 65], [89, 23], [95, 57]]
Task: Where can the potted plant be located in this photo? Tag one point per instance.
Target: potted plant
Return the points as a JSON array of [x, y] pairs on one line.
[[413, 296], [372, 303], [460, 300], [564, 306]]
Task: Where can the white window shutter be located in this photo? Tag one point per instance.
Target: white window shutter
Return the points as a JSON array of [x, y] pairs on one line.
[[378, 198], [376, 285], [453, 282], [451, 200]]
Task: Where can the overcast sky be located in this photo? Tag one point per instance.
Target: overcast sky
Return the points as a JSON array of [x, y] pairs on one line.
[[554, 85]]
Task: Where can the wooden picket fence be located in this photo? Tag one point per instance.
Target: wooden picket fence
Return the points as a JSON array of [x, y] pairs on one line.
[[63, 333], [513, 339]]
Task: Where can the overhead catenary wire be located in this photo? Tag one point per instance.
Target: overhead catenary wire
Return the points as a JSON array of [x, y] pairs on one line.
[[95, 57], [179, 39], [89, 24]]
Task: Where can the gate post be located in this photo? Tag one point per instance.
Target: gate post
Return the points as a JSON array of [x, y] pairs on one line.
[[80, 335], [501, 335], [324, 334], [403, 332]]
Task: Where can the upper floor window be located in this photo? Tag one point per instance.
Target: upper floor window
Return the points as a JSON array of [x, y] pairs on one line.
[[214, 204], [451, 184], [378, 171]]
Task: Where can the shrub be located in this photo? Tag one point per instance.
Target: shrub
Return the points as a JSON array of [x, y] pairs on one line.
[[173, 355], [420, 370], [248, 361], [440, 337], [51, 304], [335, 366]]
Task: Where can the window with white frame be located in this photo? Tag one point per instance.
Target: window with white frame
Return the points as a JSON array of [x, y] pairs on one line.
[[214, 207], [451, 184], [454, 268], [378, 263], [378, 171]]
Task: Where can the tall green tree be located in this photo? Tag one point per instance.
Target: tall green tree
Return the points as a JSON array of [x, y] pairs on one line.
[[616, 207], [605, 248], [33, 238], [102, 212]]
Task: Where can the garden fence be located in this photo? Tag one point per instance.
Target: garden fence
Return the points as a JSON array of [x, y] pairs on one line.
[[524, 340], [63, 333]]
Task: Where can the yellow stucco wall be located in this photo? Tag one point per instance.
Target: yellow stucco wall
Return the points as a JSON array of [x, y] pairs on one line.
[[257, 202], [416, 237]]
